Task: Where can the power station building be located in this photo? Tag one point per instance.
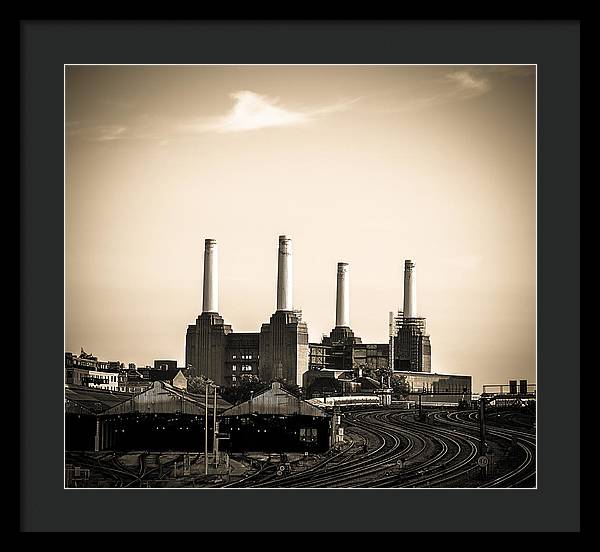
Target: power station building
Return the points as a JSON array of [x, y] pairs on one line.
[[410, 348], [279, 351]]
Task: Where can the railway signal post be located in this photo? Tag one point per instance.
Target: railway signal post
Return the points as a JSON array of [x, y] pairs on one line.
[[482, 445], [215, 430], [206, 429]]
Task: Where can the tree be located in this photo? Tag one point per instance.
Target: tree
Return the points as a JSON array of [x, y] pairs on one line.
[[196, 384], [248, 386], [400, 386]]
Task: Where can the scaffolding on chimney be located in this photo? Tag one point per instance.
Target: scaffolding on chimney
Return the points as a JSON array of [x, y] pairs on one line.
[[405, 334]]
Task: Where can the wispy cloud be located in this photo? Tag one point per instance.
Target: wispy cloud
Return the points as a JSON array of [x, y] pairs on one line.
[[468, 84], [454, 86], [252, 111], [112, 132], [108, 133]]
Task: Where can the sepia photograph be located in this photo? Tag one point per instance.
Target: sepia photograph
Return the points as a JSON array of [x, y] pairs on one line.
[[300, 276]]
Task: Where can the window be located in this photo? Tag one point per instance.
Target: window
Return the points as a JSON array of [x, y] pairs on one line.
[[308, 434]]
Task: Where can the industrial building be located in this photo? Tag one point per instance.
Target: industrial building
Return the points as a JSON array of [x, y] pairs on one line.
[[409, 344], [161, 418], [277, 421], [343, 352], [279, 351], [164, 417], [342, 365], [438, 388], [82, 406]]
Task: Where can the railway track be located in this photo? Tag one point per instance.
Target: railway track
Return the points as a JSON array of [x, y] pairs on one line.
[[522, 475], [441, 452], [261, 471], [455, 459], [123, 476], [383, 446], [107, 465]]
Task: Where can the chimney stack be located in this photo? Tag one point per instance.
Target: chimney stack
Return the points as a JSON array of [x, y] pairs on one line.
[[210, 295], [342, 304], [284, 274], [410, 290]]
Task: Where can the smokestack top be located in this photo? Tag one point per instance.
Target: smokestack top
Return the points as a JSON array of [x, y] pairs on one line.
[[210, 286], [342, 300], [410, 290], [284, 274], [342, 268]]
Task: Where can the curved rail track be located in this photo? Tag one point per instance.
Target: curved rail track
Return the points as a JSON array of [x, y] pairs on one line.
[[111, 466], [440, 451], [383, 448]]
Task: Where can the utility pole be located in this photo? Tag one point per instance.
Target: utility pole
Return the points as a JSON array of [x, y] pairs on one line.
[[482, 445], [206, 428], [215, 440]]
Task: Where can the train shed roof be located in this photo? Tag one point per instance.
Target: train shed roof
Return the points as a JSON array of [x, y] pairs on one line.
[[87, 400], [164, 398], [276, 401]]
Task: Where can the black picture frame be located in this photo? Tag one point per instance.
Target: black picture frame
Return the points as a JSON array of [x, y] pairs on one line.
[[46, 46]]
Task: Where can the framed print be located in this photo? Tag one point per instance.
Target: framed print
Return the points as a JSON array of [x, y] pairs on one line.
[[313, 266]]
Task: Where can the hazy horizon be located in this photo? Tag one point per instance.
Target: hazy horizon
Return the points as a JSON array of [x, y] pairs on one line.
[[369, 165]]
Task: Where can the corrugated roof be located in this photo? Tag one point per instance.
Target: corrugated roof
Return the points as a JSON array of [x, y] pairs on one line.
[[275, 401], [81, 399], [163, 398]]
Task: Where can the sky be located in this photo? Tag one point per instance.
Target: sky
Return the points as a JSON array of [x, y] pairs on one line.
[[369, 165]]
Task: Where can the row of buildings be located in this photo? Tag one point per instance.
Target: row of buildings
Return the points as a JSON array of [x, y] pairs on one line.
[[87, 370], [280, 350]]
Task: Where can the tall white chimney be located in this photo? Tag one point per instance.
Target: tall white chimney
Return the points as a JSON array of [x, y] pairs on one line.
[[284, 274], [210, 290], [342, 303], [410, 290]]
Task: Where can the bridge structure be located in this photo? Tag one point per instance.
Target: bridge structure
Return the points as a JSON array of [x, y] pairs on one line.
[[523, 390], [465, 395]]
